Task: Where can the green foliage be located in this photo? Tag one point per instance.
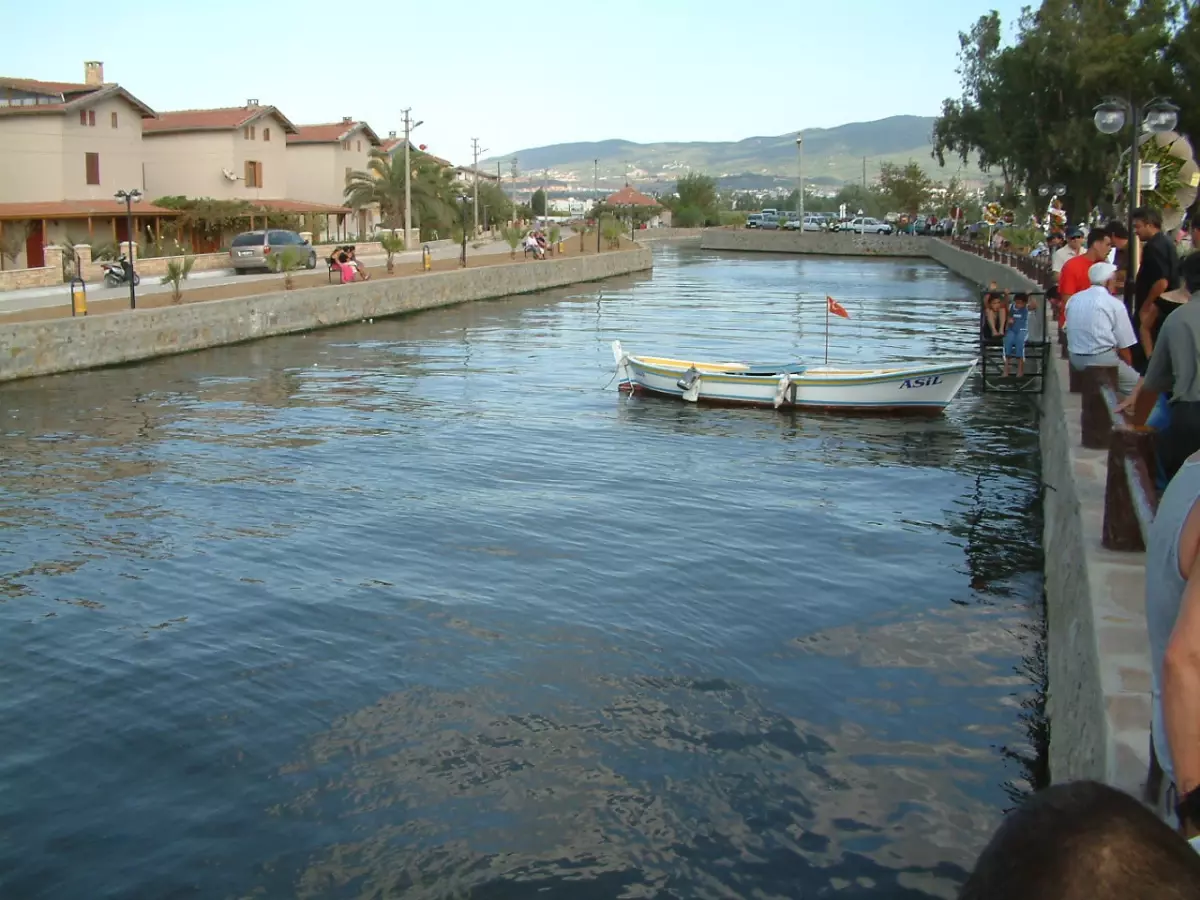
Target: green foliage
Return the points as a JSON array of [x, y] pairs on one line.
[[12, 242], [583, 229], [1027, 102], [524, 212], [1023, 239], [611, 229], [287, 261], [177, 272], [907, 187], [104, 251], [731, 217], [207, 217], [555, 234], [537, 203], [499, 207], [391, 244], [382, 182], [513, 235]]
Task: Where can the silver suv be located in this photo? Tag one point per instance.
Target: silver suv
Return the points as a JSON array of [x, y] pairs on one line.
[[252, 249]]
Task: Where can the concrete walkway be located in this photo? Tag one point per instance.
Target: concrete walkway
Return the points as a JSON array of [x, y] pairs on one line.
[[41, 297]]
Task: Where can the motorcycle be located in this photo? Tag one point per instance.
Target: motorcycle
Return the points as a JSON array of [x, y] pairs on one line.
[[119, 272]]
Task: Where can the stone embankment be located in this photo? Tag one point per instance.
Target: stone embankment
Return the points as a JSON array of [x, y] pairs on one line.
[[62, 345]]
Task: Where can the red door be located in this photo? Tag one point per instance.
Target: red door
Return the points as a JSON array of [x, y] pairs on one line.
[[35, 250], [122, 230]]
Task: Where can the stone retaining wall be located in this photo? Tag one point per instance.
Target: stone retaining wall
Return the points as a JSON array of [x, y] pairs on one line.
[[62, 345], [817, 243]]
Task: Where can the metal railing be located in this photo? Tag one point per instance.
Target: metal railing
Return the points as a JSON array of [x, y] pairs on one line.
[[1130, 493]]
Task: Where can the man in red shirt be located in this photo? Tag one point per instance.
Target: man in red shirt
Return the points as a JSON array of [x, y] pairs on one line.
[[1074, 275]]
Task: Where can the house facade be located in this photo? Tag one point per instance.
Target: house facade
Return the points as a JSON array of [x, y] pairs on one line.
[[321, 157], [66, 148], [235, 153]]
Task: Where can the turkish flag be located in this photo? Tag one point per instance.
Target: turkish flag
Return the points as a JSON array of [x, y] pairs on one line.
[[836, 308]]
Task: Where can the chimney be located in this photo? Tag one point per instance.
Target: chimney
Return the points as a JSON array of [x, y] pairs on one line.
[[253, 101], [346, 120], [93, 73]]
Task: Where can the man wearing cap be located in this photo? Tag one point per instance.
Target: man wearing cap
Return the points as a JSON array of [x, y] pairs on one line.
[[1074, 276], [1062, 255], [1099, 332]]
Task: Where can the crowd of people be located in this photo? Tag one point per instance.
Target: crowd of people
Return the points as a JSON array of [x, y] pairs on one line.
[[1154, 344]]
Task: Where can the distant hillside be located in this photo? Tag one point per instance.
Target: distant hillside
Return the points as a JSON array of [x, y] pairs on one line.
[[831, 156]]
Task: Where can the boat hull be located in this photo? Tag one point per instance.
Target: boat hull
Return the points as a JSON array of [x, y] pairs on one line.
[[917, 388]]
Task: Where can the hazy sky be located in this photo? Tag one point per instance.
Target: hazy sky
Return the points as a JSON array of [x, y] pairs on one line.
[[524, 74]]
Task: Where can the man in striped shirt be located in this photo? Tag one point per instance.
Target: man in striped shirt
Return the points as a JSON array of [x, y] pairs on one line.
[[1099, 332]]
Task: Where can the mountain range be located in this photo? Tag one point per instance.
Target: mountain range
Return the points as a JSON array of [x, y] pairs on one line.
[[832, 156]]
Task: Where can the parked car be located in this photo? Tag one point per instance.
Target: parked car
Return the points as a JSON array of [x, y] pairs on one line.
[[866, 225], [253, 249], [812, 222], [769, 221], [754, 220]]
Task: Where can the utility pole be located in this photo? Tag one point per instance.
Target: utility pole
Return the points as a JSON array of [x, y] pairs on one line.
[[800, 178], [595, 183], [864, 173], [514, 178], [475, 151], [409, 128], [545, 199]]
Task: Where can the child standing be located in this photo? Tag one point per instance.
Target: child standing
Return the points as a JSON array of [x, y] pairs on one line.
[[1018, 331]]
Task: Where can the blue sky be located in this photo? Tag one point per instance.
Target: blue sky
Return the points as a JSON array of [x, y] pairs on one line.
[[525, 74]]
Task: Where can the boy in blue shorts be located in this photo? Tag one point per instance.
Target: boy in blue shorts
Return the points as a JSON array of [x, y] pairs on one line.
[[1018, 331]]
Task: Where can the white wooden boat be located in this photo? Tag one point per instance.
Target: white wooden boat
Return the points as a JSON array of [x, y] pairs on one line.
[[925, 387]]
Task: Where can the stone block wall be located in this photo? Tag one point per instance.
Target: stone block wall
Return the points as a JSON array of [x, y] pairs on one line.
[[60, 345]]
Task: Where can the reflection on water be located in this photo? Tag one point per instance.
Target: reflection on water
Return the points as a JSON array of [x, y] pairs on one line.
[[426, 607]]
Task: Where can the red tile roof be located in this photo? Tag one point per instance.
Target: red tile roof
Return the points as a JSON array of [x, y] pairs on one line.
[[300, 206], [330, 133], [224, 119], [627, 196], [79, 209], [47, 87], [71, 96]]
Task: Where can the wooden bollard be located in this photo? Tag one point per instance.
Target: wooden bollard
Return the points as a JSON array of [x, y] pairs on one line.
[[1062, 345], [1095, 418], [1120, 530]]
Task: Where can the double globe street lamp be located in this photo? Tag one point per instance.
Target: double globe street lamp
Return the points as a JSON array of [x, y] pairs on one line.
[[1158, 116]]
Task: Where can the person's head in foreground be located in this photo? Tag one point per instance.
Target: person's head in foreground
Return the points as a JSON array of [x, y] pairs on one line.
[[1118, 234], [1020, 300], [1103, 273], [1084, 841]]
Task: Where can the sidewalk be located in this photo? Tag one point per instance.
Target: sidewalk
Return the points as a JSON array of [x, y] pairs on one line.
[[59, 295]]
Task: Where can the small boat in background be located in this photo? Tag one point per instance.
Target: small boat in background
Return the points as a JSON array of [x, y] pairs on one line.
[[925, 387]]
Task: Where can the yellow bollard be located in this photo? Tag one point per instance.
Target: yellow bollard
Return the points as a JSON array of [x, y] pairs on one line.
[[426, 258], [78, 297]]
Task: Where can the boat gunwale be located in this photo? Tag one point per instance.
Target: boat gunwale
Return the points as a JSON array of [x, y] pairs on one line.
[[827, 377]]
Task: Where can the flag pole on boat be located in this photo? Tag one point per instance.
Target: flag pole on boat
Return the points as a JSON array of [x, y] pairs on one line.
[[832, 306]]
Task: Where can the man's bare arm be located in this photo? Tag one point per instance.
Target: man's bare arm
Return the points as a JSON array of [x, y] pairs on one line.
[[1181, 679]]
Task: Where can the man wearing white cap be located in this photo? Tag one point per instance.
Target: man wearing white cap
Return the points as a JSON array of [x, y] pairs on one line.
[[1099, 332]]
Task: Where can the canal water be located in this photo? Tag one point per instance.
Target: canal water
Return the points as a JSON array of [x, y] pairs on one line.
[[425, 607]]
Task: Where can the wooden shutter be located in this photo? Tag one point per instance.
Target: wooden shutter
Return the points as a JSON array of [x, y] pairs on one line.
[[266, 134], [92, 165], [258, 174], [114, 120], [92, 118], [83, 117]]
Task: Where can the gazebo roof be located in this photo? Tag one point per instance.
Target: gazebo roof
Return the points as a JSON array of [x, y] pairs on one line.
[[627, 196]]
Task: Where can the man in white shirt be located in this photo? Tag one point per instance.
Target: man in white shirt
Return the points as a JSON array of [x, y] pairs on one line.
[[1099, 332], [1071, 249]]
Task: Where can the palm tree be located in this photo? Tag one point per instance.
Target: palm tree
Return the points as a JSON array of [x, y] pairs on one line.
[[391, 244], [432, 187], [177, 272], [382, 182]]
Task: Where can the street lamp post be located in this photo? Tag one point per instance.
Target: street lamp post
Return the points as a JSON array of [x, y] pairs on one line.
[[800, 179], [1157, 116], [129, 198], [409, 128]]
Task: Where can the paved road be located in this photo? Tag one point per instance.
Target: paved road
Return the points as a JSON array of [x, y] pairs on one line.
[[38, 298]]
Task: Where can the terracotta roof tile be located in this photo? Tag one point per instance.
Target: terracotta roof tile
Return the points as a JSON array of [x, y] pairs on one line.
[[627, 196], [330, 133], [223, 119], [48, 87], [300, 206], [78, 209]]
